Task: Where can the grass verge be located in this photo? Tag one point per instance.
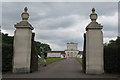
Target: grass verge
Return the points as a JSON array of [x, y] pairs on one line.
[[49, 60], [113, 75], [79, 59]]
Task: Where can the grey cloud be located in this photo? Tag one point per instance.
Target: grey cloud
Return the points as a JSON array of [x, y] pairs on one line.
[[58, 23], [61, 41], [53, 24], [110, 34], [0, 15], [119, 19], [108, 27], [60, 37]]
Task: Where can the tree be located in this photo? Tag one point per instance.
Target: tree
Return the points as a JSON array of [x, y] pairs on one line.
[[41, 47], [114, 42], [111, 56]]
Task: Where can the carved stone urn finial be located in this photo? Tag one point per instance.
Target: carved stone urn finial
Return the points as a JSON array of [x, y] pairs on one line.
[[25, 9], [93, 10], [25, 15], [93, 24], [93, 15]]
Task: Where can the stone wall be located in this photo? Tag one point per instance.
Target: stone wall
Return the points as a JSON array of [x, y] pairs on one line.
[[34, 56]]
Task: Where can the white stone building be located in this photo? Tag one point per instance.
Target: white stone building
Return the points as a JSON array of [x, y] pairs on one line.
[[72, 49], [55, 54]]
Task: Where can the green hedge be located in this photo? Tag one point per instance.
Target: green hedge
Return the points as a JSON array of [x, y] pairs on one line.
[[7, 54], [112, 57]]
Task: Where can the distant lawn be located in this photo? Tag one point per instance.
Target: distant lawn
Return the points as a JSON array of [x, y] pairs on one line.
[[79, 59], [113, 75], [49, 60]]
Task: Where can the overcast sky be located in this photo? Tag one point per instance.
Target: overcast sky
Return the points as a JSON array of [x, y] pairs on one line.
[[57, 23]]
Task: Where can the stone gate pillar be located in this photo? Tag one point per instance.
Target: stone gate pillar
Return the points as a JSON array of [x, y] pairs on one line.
[[22, 45], [94, 46]]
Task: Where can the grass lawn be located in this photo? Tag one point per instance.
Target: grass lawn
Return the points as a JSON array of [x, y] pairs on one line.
[[79, 59], [114, 75], [49, 60]]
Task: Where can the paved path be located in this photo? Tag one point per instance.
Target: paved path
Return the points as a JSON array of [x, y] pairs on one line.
[[68, 68]]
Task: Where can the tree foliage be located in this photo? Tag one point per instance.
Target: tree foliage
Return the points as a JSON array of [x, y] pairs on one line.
[[41, 47], [111, 56], [113, 43]]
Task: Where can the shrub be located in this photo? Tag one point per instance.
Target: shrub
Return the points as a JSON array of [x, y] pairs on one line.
[[7, 52], [111, 57]]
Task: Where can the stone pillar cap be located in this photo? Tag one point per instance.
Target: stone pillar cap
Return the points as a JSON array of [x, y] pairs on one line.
[[24, 23], [93, 24]]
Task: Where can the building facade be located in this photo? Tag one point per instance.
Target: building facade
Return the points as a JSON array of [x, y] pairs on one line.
[[72, 49]]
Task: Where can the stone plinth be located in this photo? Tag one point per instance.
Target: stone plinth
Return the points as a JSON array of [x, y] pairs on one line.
[[22, 45], [94, 46]]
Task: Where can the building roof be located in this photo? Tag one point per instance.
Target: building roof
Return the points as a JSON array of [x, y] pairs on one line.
[[72, 43], [62, 52]]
